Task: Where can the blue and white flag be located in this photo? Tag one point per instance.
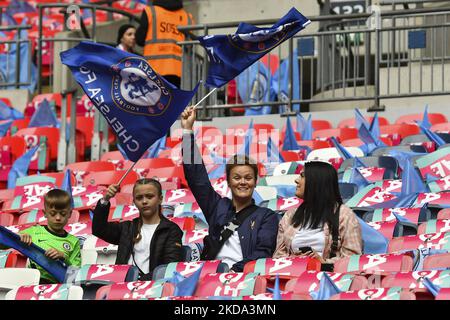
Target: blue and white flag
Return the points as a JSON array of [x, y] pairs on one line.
[[231, 54], [66, 185], [374, 242], [4, 127], [138, 104], [425, 121], [280, 83], [327, 289], [8, 113], [304, 127], [432, 136], [44, 116], [254, 87], [290, 142], [20, 167]]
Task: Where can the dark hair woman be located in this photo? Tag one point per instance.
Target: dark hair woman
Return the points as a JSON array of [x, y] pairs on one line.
[[126, 38], [147, 241], [308, 230]]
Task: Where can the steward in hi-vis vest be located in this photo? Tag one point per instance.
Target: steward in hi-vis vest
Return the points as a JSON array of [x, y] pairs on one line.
[[158, 34]]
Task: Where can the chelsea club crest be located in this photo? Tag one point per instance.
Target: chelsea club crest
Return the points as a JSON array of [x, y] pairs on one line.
[[138, 89], [262, 40]]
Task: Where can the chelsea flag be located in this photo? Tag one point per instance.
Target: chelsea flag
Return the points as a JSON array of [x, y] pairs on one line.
[[229, 55], [138, 104]]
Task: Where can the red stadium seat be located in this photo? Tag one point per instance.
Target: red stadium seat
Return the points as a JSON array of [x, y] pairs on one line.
[[443, 214], [106, 178], [433, 118], [6, 219], [433, 226], [342, 133], [19, 124], [357, 142], [350, 122], [86, 126], [230, 284], [316, 124], [441, 127], [376, 294], [52, 135], [186, 269], [314, 144], [286, 266], [59, 177], [136, 290], [168, 172], [290, 156], [403, 130], [310, 281], [17, 144], [91, 166], [46, 292], [375, 263], [8, 259], [444, 294], [437, 261], [431, 240]]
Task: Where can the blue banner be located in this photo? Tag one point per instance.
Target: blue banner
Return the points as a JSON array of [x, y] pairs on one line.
[[229, 55], [138, 104]]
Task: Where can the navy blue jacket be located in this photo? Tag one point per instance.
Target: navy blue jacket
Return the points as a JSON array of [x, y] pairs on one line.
[[257, 234]]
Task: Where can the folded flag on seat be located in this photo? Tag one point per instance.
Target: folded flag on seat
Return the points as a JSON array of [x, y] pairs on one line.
[[138, 104], [231, 54]]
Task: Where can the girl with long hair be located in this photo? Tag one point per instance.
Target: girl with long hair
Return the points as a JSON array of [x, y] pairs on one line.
[[147, 241]]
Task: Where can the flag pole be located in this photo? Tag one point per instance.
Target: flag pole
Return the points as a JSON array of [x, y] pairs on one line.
[[131, 168], [126, 173], [209, 93]]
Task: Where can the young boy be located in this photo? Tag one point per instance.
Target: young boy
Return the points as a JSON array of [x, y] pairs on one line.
[[57, 243]]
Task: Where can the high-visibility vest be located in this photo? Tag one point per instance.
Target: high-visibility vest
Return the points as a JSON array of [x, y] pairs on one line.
[[161, 49]]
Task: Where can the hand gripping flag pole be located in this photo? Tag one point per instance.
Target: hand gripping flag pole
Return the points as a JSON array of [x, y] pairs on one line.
[[134, 163]]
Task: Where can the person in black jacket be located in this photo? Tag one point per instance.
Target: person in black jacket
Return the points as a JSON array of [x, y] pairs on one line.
[[256, 236], [149, 240]]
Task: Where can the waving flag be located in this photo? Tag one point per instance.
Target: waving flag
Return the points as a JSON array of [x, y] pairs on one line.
[[432, 136], [304, 127], [373, 241], [4, 127], [44, 116], [276, 289], [425, 121], [273, 154], [67, 185], [20, 167], [360, 120], [280, 83], [254, 87], [290, 143], [138, 104], [327, 288], [187, 286], [8, 113], [229, 55], [375, 126]]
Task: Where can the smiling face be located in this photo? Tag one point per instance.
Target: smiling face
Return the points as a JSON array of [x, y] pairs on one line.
[[242, 182], [147, 200], [300, 181]]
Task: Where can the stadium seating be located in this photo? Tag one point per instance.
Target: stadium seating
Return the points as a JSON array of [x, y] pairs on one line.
[[46, 292], [135, 290], [11, 278]]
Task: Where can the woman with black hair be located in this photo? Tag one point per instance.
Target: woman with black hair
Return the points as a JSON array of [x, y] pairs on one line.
[[321, 227], [147, 241], [126, 38]]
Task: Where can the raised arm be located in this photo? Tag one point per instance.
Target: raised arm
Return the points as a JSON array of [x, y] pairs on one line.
[[108, 231], [194, 168]]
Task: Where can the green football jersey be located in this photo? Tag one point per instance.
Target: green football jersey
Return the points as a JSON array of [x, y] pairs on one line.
[[68, 244]]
